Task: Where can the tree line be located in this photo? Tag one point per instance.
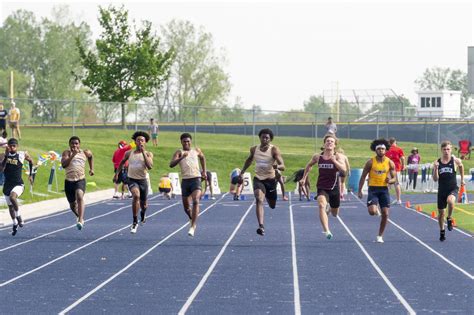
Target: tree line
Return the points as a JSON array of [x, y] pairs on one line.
[[168, 70]]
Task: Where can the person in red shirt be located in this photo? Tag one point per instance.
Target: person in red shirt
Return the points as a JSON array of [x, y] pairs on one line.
[[395, 153], [116, 159]]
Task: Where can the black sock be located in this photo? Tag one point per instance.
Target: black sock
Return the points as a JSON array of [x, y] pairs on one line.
[[135, 219], [442, 232], [261, 226]]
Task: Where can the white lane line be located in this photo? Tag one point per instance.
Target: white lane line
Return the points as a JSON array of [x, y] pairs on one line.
[[100, 286], [379, 271], [61, 212], [432, 250], [296, 284], [62, 229], [201, 283], [76, 250]]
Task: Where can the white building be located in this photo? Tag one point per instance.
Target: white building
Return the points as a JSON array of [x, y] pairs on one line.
[[439, 104]]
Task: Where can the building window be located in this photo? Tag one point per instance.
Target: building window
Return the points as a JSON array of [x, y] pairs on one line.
[[438, 102], [428, 103], [423, 105]]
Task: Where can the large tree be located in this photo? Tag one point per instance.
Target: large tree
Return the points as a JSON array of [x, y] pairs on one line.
[[123, 67], [316, 105], [197, 75], [438, 78]]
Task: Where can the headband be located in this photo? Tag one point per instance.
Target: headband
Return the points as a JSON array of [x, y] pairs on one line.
[[380, 146]]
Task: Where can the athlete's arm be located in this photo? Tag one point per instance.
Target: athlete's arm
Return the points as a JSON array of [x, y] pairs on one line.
[[202, 161], [460, 166], [248, 161], [393, 174], [177, 157], [30, 165], [148, 158], [402, 162], [314, 160], [279, 159], [338, 160], [90, 160], [66, 158], [435, 171], [365, 171]]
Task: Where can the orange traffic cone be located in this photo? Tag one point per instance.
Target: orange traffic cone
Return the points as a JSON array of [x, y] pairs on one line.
[[433, 214], [454, 222], [418, 208], [408, 204]]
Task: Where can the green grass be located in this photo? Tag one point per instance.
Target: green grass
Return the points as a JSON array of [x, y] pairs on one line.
[[463, 214], [223, 153]]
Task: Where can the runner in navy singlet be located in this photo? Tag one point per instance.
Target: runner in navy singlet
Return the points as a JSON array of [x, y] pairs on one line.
[[14, 186], [444, 172]]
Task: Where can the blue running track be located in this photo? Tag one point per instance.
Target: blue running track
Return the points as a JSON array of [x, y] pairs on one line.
[[51, 267]]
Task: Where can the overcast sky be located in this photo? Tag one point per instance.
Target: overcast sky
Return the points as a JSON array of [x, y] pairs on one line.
[[282, 52]]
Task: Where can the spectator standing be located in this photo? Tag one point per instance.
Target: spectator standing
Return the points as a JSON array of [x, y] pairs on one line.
[[153, 129], [15, 121], [413, 162], [3, 118], [395, 153], [331, 126]]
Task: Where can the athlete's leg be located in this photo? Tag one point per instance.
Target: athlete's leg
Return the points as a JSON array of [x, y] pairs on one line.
[[451, 201], [195, 197], [384, 219], [135, 202], [80, 205], [187, 205], [323, 217], [259, 197]]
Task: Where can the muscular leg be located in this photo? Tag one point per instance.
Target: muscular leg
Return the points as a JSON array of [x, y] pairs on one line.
[[259, 196], [323, 217], [195, 196], [187, 205], [384, 220], [135, 202], [80, 205], [451, 201], [441, 219]]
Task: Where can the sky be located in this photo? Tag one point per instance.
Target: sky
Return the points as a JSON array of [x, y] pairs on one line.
[[279, 53]]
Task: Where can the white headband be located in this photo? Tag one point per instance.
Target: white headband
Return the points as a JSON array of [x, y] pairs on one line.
[[380, 146]]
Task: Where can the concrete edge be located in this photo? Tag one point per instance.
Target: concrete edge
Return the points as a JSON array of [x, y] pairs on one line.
[[45, 207]]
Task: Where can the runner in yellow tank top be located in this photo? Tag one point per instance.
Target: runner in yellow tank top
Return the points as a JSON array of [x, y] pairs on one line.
[[381, 171]]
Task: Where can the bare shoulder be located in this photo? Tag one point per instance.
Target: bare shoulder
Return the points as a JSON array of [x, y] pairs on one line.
[[88, 152]]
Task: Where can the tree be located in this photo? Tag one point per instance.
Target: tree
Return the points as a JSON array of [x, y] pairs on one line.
[[438, 78], [316, 105], [122, 69], [197, 77]]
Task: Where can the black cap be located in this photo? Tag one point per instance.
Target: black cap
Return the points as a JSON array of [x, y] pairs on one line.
[[12, 141]]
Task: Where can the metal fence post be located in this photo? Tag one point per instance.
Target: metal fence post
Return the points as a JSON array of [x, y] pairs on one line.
[[253, 125], [136, 116], [195, 126], [73, 117], [377, 129], [315, 132], [439, 131]]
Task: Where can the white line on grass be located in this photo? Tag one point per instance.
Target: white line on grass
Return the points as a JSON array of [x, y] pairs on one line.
[[76, 250], [432, 250], [296, 284], [379, 271], [201, 283], [100, 286]]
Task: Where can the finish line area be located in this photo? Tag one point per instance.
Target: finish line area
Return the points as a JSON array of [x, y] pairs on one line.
[[51, 267]]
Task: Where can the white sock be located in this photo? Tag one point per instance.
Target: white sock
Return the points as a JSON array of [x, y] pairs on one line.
[[14, 221]]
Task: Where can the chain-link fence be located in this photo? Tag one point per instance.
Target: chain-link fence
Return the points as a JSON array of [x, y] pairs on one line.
[[235, 120]]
